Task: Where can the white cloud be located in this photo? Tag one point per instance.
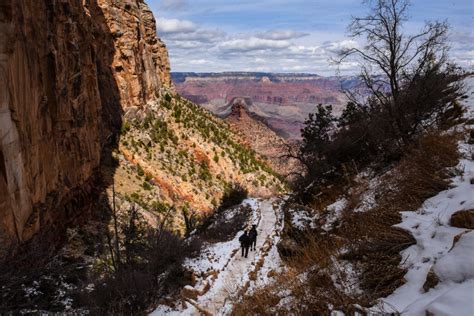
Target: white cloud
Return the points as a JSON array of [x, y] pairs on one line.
[[198, 62], [335, 47], [281, 35], [171, 26], [198, 35], [252, 44], [255, 54], [194, 47]]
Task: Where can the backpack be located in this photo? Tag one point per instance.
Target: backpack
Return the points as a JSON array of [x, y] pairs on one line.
[[253, 234], [244, 240]]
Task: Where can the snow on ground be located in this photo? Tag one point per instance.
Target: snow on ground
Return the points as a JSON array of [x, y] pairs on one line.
[[303, 219], [224, 272], [367, 198], [334, 213], [217, 256], [273, 262], [300, 219], [436, 250]]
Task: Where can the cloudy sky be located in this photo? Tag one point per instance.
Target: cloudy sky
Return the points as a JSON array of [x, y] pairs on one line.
[[285, 35]]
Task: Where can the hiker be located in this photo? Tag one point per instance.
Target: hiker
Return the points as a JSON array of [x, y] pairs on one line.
[[245, 243], [253, 237]]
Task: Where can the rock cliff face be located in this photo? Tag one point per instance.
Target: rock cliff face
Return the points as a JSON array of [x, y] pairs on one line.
[[67, 69], [140, 62]]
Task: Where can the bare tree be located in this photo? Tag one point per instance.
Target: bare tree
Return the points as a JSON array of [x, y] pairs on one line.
[[390, 55], [394, 63]]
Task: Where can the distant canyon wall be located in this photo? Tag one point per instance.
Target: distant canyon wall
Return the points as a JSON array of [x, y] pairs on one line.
[[282, 100], [68, 68]]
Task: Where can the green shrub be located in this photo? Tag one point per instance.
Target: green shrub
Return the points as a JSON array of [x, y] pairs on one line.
[[125, 127], [140, 171], [147, 186], [159, 207]]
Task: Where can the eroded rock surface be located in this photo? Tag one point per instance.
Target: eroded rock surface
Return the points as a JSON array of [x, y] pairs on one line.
[[67, 69], [258, 136]]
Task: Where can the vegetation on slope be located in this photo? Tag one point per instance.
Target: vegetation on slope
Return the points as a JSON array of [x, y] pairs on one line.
[[179, 167], [174, 153]]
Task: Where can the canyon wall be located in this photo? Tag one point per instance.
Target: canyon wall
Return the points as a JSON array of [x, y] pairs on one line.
[[284, 101], [68, 68]]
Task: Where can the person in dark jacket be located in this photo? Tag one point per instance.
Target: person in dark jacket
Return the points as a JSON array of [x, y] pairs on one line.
[[253, 237], [245, 243]]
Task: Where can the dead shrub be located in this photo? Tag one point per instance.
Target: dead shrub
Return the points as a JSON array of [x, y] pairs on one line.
[[144, 264], [424, 171], [258, 303], [463, 219], [223, 225]]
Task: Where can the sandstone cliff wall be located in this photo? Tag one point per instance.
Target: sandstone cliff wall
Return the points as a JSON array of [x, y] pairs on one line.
[[140, 62], [67, 69]]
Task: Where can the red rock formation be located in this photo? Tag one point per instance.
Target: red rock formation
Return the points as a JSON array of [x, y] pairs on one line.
[[284, 100], [67, 68], [140, 62], [258, 136]]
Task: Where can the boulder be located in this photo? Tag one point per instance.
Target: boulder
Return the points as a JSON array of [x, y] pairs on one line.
[[189, 292], [431, 280], [463, 219]]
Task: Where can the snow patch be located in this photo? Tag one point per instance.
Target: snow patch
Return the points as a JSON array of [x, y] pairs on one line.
[[334, 213]]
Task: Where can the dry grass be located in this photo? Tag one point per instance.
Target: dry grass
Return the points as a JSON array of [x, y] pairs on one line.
[[313, 284], [374, 243]]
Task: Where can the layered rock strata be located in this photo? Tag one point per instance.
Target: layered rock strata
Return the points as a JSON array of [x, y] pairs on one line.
[[67, 70]]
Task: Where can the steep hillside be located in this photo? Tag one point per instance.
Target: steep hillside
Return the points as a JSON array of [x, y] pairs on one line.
[[173, 152], [386, 239], [255, 132]]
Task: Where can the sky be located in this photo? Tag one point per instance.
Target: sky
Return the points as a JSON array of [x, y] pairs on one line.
[[286, 35]]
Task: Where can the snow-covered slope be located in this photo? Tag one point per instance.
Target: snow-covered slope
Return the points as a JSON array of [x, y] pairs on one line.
[[444, 254]]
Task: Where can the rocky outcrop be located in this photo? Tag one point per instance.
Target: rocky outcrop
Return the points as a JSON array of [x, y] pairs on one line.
[[140, 62], [258, 136], [67, 69]]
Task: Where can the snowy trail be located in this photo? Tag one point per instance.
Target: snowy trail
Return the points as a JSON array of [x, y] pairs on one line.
[[236, 275], [228, 273]]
